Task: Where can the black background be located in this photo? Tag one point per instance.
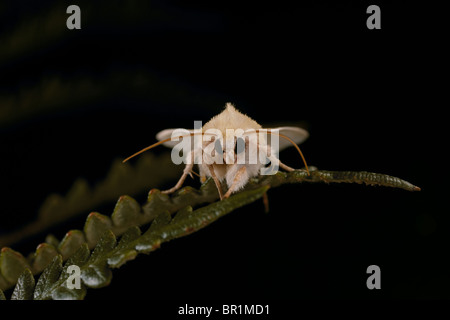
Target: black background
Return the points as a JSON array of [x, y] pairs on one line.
[[369, 98]]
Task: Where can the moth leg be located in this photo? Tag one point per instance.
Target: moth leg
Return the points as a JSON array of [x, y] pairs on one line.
[[187, 171], [216, 181], [285, 167], [218, 185], [237, 178], [265, 198], [201, 171]]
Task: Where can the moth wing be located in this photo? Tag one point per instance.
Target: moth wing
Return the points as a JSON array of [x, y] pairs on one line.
[[296, 134], [167, 134]]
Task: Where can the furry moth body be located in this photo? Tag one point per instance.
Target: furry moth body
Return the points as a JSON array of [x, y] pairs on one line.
[[227, 148]]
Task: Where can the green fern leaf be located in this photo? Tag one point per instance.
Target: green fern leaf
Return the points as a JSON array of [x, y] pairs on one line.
[[47, 279], [100, 232], [24, 287], [121, 179], [12, 265]]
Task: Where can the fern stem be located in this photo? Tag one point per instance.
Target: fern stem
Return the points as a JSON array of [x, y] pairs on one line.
[[360, 177]]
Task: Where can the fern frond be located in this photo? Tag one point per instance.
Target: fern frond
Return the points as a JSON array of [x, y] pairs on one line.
[[100, 231], [121, 179], [96, 266]]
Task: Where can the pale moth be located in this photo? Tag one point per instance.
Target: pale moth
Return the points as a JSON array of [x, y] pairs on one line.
[[231, 148]]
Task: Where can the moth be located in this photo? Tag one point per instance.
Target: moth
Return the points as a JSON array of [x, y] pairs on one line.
[[230, 148]]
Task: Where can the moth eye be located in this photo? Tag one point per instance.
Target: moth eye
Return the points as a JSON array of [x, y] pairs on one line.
[[218, 146], [239, 146]]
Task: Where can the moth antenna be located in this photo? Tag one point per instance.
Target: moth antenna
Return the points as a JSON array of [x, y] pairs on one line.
[[294, 144], [157, 144]]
